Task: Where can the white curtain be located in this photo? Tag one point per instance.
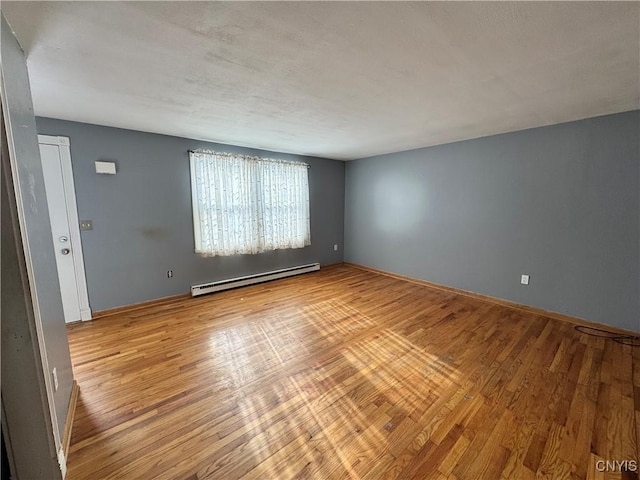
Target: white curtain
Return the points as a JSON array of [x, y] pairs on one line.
[[244, 204]]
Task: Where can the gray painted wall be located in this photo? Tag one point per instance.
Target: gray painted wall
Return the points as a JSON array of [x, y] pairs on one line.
[[560, 203], [24, 395], [142, 221]]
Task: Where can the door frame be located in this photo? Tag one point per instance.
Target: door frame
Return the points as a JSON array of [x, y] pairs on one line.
[[64, 148]]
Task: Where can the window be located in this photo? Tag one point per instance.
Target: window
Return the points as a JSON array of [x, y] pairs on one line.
[[244, 204]]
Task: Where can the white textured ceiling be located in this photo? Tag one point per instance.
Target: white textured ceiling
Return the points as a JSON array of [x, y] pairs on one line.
[[335, 79]]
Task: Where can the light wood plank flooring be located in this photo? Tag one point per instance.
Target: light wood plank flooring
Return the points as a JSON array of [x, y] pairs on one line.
[[348, 374]]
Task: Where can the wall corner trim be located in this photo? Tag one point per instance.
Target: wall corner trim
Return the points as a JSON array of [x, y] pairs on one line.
[[68, 424]]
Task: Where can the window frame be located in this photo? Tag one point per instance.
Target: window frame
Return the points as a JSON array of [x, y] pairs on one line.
[[259, 239]]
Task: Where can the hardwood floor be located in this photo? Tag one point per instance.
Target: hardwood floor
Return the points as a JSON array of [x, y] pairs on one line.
[[348, 374]]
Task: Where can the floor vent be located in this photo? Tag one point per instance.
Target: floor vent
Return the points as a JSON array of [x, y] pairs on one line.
[[251, 279]]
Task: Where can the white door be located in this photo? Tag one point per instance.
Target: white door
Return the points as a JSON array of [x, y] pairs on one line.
[[58, 179]]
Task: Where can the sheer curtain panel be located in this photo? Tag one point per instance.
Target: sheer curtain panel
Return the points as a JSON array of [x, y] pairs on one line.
[[244, 204]]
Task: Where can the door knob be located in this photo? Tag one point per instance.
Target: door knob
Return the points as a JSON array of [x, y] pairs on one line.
[[65, 251]]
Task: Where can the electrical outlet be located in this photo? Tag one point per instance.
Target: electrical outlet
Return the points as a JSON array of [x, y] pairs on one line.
[[335, 248], [55, 379], [169, 273], [86, 225], [524, 279]]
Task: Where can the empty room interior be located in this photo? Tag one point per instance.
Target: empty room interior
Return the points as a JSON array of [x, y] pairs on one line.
[[322, 240]]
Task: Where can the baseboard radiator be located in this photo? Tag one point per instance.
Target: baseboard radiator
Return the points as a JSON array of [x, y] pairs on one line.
[[251, 279]]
